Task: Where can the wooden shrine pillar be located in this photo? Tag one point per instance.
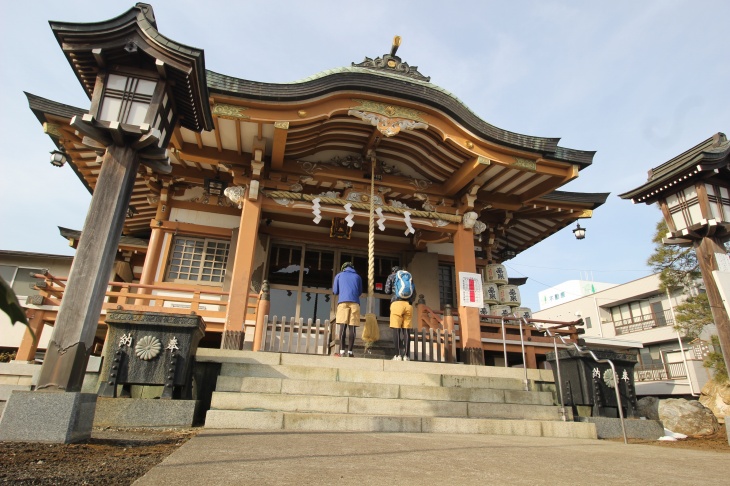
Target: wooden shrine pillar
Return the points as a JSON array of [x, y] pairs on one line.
[[73, 334], [470, 328], [706, 249], [31, 337], [243, 263], [154, 249]]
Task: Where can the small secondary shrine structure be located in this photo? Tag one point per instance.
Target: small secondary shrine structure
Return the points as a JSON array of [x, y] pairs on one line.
[[205, 186]]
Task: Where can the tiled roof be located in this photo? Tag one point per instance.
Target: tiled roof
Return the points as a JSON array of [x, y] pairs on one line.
[[596, 198], [366, 80], [708, 155]]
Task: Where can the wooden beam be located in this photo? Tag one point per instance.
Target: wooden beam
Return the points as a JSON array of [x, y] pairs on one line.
[[209, 155], [500, 201], [545, 187], [373, 142], [176, 139], [217, 133], [196, 229], [278, 149], [239, 142], [468, 171]]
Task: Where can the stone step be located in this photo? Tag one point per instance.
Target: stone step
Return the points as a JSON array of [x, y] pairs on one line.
[[6, 390], [317, 361], [241, 419], [378, 406], [398, 377], [378, 390]]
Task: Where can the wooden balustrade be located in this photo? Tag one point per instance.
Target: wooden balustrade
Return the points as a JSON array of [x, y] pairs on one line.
[[211, 304]]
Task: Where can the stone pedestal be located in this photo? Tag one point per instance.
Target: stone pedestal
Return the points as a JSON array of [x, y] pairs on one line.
[[589, 386], [144, 412], [58, 417], [150, 348], [610, 428]]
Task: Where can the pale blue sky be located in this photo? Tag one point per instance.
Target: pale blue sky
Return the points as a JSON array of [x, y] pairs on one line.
[[638, 82]]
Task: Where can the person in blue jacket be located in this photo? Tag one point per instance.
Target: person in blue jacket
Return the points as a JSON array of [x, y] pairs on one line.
[[348, 287]]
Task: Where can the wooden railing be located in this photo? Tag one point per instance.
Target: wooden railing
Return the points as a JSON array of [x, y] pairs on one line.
[[428, 318], [211, 304]]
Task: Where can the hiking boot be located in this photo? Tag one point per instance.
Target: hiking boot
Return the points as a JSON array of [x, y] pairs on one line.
[[396, 358]]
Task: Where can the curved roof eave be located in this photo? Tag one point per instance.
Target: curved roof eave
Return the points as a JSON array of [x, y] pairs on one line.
[[40, 106], [712, 150], [369, 81], [139, 19], [595, 199]]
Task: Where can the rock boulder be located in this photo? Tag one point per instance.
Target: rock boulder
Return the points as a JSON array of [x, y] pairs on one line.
[[687, 417], [716, 397], [648, 407]]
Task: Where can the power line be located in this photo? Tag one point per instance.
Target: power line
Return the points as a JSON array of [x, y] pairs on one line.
[[576, 269]]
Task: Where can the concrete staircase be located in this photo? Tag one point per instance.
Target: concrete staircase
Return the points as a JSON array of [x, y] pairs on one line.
[[280, 391]]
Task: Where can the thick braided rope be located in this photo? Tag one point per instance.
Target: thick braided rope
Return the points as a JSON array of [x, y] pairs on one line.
[[371, 238], [451, 218]]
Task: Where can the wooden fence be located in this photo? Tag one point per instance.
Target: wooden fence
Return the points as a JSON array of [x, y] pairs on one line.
[[433, 345], [294, 336]]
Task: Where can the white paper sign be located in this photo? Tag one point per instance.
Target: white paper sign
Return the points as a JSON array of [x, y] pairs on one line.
[[470, 290]]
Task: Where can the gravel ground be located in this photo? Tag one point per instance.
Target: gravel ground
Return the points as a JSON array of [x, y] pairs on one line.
[[120, 456], [110, 457]]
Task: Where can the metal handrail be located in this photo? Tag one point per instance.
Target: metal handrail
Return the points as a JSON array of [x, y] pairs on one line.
[[525, 382], [598, 360], [504, 344]]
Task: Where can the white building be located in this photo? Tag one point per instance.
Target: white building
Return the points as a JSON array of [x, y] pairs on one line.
[[640, 316], [16, 268], [570, 290]]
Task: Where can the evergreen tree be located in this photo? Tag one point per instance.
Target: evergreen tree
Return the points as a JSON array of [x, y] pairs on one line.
[[716, 362], [677, 266], [693, 315]]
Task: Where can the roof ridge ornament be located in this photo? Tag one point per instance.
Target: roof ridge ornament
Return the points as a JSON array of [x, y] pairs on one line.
[[392, 63]]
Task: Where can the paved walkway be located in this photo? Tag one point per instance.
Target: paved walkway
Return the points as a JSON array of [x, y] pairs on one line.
[[233, 457]]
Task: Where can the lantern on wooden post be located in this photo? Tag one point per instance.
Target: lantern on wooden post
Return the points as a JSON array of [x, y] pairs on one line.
[[141, 85], [693, 192], [131, 107]]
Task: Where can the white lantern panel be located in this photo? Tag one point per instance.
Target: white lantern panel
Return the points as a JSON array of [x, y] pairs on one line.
[[137, 113], [117, 82], [719, 202], [509, 295], [145, 87], [693, 203], [110, 109]]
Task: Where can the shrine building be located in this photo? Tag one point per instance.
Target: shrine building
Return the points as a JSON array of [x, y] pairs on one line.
[[244, 182]]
